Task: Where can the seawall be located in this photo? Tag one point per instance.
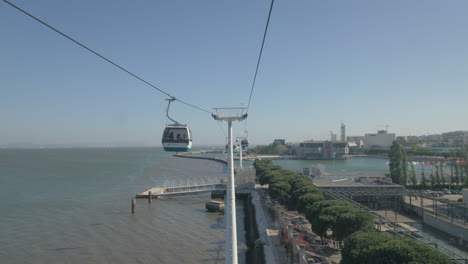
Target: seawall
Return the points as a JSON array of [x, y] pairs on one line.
[[190, 155]]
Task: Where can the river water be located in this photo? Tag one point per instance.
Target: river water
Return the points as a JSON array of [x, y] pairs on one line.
[[74, 206], [346, 166]]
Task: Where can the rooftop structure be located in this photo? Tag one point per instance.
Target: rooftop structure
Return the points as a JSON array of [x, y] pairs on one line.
[[382, 139], [373, 191]]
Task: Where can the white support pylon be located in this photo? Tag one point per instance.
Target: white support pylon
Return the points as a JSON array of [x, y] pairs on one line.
[[230, 216]]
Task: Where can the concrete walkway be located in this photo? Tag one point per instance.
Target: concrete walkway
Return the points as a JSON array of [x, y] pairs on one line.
[[268, 231]]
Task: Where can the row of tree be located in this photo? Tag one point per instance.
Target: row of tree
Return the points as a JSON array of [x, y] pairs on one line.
[[293, 190], [402, 173], [418, 150], [274, 148], [375, 248], [340, 217], [299, 193], [345, 222]]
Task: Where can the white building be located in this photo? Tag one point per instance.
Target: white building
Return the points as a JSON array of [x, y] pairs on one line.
[[380, 140], [359, 140], [456, 138]]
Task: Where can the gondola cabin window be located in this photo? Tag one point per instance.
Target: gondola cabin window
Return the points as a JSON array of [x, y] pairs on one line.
[[177, 138]]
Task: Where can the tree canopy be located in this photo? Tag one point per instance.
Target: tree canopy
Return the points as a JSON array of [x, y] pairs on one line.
[[340, 217], [274, 148], [398, 164], [377, 248], [363, 245]]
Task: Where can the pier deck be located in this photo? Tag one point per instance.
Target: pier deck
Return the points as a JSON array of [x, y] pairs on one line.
[[245, 183], [153, 190], [182, 190]]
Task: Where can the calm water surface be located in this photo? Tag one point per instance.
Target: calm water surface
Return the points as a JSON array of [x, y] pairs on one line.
[[73, 206], [351, 165]]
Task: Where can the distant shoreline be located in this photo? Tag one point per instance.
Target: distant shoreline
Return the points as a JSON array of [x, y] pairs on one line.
[[289, 157]]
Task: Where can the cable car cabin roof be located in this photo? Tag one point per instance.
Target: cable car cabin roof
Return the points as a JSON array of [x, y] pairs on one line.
[[177, 127]]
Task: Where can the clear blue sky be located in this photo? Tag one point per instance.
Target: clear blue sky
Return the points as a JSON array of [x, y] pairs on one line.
[[369, 63]]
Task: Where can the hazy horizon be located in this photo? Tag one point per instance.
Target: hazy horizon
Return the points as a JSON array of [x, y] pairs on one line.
[[368, 64]]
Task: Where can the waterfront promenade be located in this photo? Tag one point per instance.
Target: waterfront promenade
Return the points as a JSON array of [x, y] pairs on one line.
[[271, 227], [268, 231]]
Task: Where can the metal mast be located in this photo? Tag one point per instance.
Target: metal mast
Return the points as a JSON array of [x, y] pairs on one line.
[[230, 114]]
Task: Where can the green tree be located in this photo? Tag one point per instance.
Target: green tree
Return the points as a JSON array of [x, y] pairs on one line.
[[419, 150], [398, 164], [462, 155], [295, 191], [377, 248], [442, 178], [351, 222], [302, 186], [308, 199], [433, 179], [437, 176], [340, 217], [280, 191], [274, 148], [452, 176], [404, 167], [319, 220], [457, 174], [423, 177], [414, 181]]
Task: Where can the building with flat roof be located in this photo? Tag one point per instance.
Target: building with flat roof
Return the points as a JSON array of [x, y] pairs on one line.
[[374, 191], [412, 139], [380, 140], [322, 150], [434, 137], [281, 141], [456, 138]]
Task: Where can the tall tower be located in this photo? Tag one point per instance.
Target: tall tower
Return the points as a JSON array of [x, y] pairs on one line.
[[343, 132]]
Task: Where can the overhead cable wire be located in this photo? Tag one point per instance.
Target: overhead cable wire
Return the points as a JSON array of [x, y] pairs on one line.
[[260, 55], [102, 57]]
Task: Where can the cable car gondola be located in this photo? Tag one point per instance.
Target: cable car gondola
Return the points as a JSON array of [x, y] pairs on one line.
[[176, 137], [244, 143]]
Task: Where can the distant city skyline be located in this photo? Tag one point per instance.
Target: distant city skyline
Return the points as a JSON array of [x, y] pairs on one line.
[[367, 63], [123, 144]]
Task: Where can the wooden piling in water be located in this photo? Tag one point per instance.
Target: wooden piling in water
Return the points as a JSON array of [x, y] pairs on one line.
[[133, 205], [149, 196]]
